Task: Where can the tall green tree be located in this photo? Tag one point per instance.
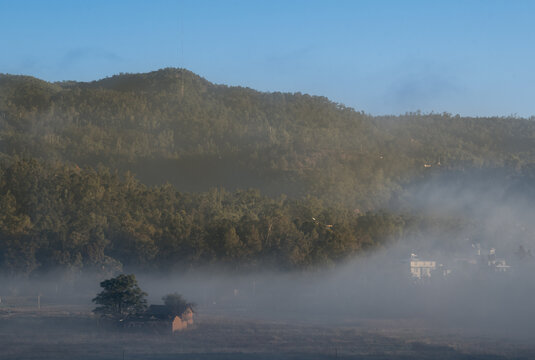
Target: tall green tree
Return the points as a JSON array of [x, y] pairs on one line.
[[120, 298]]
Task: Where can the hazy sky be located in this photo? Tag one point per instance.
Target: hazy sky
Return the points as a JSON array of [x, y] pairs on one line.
[[466, 57]]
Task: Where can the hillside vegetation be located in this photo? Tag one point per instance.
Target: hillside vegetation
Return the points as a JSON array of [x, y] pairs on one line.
[[69, 149]]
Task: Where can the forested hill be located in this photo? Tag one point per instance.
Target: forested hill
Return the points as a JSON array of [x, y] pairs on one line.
[[141, 170], [173, 126]]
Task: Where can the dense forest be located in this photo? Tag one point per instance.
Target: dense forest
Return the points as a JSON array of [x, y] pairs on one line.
[[56, 215], [167, 170]]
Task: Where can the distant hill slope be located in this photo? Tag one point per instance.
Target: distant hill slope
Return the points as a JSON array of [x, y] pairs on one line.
[[62, 208], [174, 126]]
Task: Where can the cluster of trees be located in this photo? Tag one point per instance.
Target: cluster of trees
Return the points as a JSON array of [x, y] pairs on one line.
[[171, 125], [325, 171], [59, 216], [122, 298]]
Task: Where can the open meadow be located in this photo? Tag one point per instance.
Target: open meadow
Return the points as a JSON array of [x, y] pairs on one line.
[[72, 332]]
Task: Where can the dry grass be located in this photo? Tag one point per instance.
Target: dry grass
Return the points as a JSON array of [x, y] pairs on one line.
[[70, 332]]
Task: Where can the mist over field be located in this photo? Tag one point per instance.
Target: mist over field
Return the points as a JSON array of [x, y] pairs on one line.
[[290, 180], [296, 225], [376, 284]]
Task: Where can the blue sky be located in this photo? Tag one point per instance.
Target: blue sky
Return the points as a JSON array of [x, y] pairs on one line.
[[383, 57]]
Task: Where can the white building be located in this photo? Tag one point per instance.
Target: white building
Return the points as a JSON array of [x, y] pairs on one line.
[[421, 269], [496, 264]]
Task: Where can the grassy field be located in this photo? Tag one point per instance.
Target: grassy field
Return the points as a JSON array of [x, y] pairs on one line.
[[71, 332]]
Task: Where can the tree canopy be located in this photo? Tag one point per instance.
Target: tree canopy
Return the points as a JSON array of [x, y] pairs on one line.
[[218, 136], [120, 298], [131, 171], [177, 303]]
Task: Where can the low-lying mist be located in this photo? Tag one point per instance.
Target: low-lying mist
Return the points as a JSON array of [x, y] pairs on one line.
[[482, 279]]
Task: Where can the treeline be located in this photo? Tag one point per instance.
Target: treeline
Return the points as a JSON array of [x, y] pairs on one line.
[[57, 216], [171, 125], [69, 151]]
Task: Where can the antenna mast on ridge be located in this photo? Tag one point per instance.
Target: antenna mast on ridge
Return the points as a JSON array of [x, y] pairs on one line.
[[181, 53]]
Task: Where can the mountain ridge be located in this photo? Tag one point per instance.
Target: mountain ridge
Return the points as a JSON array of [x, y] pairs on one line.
[[323, 181], [297, 143]]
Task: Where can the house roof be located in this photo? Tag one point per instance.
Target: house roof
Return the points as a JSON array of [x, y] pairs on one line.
[[160, 311]]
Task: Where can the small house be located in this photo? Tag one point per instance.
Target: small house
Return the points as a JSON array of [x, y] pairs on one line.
[[162, 318], [164, 313], [497, 264], [421, 269]]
